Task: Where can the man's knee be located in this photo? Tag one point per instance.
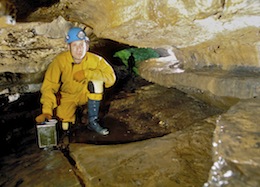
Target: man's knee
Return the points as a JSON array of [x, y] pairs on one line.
[[96, 89], [96, 86]]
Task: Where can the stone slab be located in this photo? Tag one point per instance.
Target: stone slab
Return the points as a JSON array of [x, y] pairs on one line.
[[236, 84], [237, 146], [38, 168], [177, 159]]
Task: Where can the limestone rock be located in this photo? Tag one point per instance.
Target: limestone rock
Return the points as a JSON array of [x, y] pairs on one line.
[[225, 87], [35, 167], [236, 147], [203, 33], [58, 28], [26, 50], [180, 159]]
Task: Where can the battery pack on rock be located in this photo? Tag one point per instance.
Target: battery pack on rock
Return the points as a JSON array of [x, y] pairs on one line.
[[46, 134]]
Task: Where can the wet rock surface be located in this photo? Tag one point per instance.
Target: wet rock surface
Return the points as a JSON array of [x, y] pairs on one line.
[[213, 85], [180, 158], [35, 167], [236, 147]]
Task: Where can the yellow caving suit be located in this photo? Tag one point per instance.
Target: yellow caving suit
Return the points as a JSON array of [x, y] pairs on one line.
[[59, 77]]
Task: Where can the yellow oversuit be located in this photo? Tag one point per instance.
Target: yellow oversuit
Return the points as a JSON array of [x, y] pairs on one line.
[[59, 78]]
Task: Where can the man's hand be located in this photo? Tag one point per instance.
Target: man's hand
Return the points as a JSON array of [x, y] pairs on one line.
[[42, 117], [79, 76]]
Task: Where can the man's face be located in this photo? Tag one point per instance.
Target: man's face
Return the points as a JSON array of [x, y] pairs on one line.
[[78, 50]]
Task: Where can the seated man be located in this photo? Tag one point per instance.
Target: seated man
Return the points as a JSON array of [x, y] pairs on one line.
[[79, 77]]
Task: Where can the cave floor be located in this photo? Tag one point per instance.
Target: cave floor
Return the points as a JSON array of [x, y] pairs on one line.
[[158, 136]]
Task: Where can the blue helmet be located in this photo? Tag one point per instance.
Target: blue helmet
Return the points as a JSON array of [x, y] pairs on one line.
[[75, 34]]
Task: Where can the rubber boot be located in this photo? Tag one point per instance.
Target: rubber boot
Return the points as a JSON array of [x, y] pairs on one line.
[[93, 110], [64, 135]]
